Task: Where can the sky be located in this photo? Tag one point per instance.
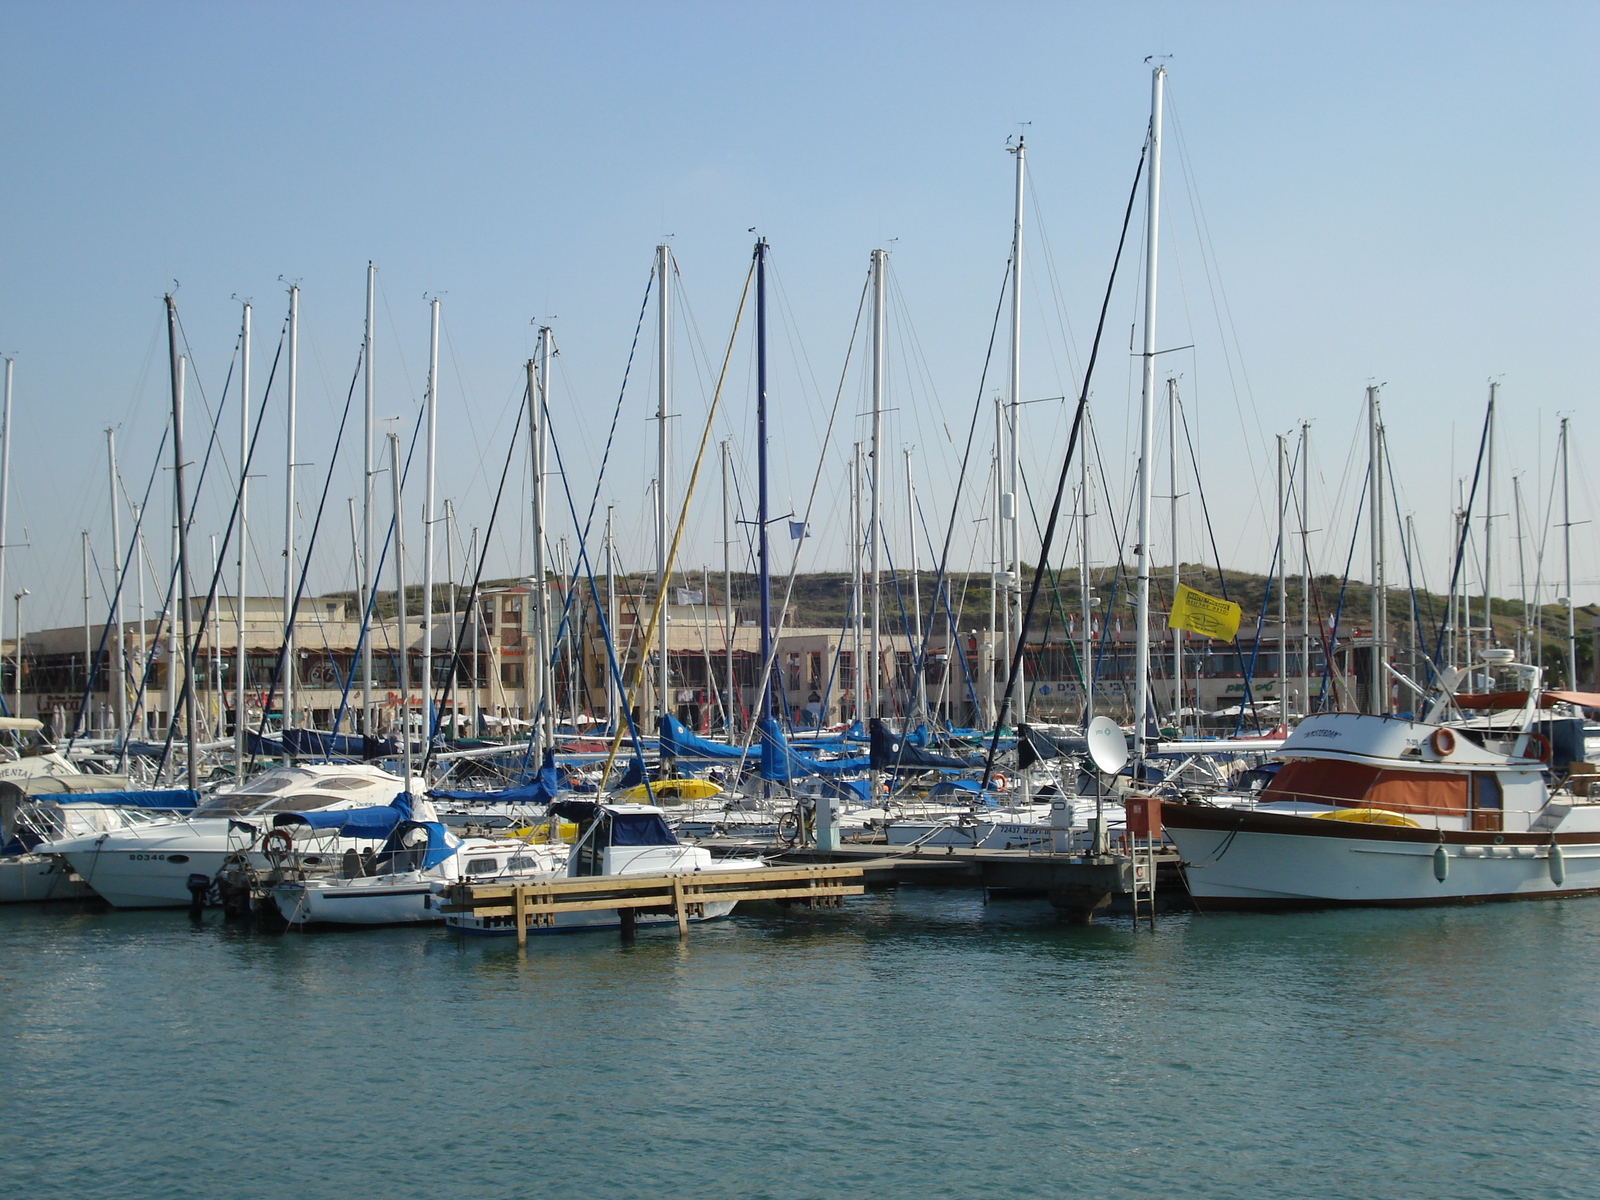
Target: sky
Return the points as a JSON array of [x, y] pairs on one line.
[[1398, 195]]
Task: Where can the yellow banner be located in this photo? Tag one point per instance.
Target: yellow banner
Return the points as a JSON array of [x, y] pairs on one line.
[[1203, 614]]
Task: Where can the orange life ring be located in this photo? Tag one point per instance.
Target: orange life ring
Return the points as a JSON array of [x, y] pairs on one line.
[[1538, 748], [999, 782], [277, 845], [1443, 742]]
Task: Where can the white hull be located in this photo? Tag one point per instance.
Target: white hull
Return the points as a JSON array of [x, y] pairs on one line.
[[35, 877], [390, 900], [1243, 869], [153, 871]]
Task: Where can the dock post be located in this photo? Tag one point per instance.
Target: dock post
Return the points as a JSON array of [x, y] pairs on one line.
[[629, 921], [680, 908], [521, 902]]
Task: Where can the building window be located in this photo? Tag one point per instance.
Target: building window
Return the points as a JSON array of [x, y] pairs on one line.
[[511, 674]]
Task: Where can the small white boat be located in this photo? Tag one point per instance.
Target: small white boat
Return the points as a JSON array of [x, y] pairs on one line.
[[617, 839], [397, 886], [28, 876]]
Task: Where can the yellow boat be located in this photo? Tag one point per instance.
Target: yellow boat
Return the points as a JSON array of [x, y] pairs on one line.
[[670, 790]]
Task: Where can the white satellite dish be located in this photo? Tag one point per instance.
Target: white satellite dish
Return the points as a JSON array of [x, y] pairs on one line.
[[1107, 745]]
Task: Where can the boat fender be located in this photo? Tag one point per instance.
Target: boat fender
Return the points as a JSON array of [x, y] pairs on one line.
[[1557, 864], [1443, 742], [1537, 748], [1441, 863]]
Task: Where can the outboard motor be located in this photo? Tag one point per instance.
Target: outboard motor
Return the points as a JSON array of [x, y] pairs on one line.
[[198, 886]]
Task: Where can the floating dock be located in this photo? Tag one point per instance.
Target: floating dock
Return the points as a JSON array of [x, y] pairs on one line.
[[681, 893]]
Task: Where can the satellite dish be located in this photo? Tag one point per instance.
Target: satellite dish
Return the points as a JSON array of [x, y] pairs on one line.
[[1107, 745]]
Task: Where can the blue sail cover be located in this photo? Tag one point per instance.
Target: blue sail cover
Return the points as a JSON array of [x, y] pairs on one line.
[[892, 752], [540, 790], [781, 763], [165, 798], [917, 737], [378, 822], [311, 743], [678, 742], [266, 747]]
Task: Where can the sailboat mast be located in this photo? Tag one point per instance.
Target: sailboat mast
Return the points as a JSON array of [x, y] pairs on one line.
[[875, 705], [1177, 558], [857, 586], [1377, 687], [1085, 580], [1566, 550], [240, 654], [1013, 544], [179, 503], [1141, 664], [765, 708], [1305, 569], [731, 714], [1488, 529], [427, 517], [663, 400], [403, 637], [5, 496], [116, 675], [367, 581], [544, 699], [88, 642], [290, 661], [613, 708], [1283, 579]]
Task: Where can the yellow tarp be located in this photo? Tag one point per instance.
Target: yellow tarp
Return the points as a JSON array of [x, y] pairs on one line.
[[1203, 614]]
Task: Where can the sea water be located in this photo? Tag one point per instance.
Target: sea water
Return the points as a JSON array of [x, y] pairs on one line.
[[918, 1044]]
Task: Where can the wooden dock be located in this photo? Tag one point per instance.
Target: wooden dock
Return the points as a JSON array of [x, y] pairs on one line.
[[681, 893]]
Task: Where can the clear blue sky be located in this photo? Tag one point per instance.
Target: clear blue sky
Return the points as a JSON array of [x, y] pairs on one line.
[[1401, 194]]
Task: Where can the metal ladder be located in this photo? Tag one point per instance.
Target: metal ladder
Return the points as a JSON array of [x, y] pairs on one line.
[[1143, 852]]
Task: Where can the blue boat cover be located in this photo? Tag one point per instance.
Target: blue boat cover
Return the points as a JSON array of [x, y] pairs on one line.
[[779, 762], [312, 743], [160, 798], [678, 742], [640, 829], [541, 789], [892, 752], [254, 743], [378, 822]]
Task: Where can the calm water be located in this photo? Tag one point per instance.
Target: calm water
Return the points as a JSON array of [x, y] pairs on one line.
[[919, 1044]]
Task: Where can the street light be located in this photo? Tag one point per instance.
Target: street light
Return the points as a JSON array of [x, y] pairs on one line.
[[16, 707]]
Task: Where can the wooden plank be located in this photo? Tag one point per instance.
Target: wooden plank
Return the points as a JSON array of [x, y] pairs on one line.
[[600, 882], [662, 901], [522, 917], [679, 908]]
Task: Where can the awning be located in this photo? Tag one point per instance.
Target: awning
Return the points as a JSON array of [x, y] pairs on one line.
[[1504, 700]]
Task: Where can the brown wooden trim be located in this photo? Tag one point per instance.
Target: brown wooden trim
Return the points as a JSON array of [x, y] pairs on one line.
[[1229, 820], [1263, 904]]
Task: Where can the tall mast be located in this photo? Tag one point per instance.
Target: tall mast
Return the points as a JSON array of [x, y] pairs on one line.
[[455, 633], [767, 665], [1522, 571], [179, 503], [116, 675], [732, 714], [663, 400], [999, 604], [366, 512], [1488, 529], [1305, 569], [875, 516], [1014, 449], [857, 582], [88, 640], [5, 529], [1377, 687], [543, 699], [1566, 550], [1177, 557], [402, 633], [1085, 590], [240, 656], [1141, 664], [290, 662], [1283, 579], [919, 689], [427, 517], [477, 624]]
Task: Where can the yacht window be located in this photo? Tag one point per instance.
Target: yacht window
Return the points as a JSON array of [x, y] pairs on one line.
[[482, 866], [232, 804], [522, 862], [304, 802], [1485, 791], [277, 781], [346, 784]]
